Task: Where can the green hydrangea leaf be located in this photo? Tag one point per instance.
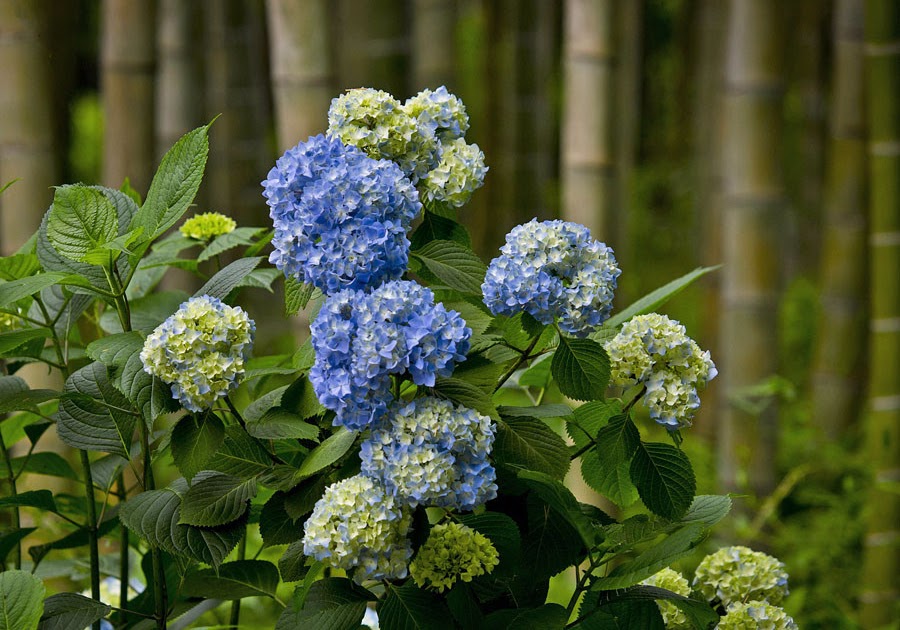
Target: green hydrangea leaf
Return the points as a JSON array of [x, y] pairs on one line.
[[216, 499], [21, 600], [664, 479], [454, 265], [71, 611], [195, 439], [81, 219], [408, 606], [529, 444], [581, 368], [233, 580]]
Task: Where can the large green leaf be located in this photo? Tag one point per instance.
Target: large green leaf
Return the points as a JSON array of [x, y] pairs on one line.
[[529, 444], [148, 393], [224, 242], [467, 395], [541, 618], [233, 580], [326, 453], [581, 368], [657, 298], [81, 219], [708, 509], [40, 499], [240, 455], [653, 560], [194, 441], [438, 228], [408, 607], [14, 340], [44, 463], [698, 612], [228, 278], [13, 291], [664, 479], [71, 611], [561, 500], [297, 295], [586, 420], [292, 564], [175, 184], [279, 423], [94, 415], [611, 479], [21, 600], [331, 604], [216, 499], [276, 526], [597, 613], [455, 265], [113, 351]]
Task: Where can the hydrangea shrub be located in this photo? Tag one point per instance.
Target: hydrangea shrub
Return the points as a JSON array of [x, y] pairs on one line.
[[408, 460]]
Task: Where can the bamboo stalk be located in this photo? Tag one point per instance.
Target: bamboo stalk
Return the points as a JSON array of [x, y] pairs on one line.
[[753, 204], [840, 348], [881, 546]]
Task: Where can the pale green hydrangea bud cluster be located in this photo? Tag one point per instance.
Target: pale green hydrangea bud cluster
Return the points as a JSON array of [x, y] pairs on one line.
[[206, 226], [358, 525], [655, 351], [424, 137], [674, 581], [200, 351], [739, 574], [9, 322], [377, 123], [453, 552], [756, 615]]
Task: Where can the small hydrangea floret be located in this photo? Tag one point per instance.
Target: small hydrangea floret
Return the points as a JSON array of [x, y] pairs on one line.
[[431, 453], [340, 217], [460, 173], [377, 123], [358, 525], [671, 580], [440, 110], [206, 226], [756, 615], [360, 339], [655, 351], [200, 351], [553, 270], [453, 552], [739, 574]]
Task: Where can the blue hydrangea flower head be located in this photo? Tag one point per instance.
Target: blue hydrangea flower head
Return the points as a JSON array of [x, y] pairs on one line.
[[554, 271], [340, 217], [361, 338], [440, 110], [460, 173], [357, 525], [674, 581], [739, 574], [453, 552], [377, 123], [655, 351], [200, 351], [756, 615], [429, 452]]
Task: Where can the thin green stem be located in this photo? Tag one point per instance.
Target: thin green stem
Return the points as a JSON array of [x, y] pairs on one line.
[[159, 591], [523, 357], [634, 400], [234, 622], [123, 556], [17, 522], [91, 527]]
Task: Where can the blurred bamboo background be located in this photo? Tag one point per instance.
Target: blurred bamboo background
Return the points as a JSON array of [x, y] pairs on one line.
[[760, 134]]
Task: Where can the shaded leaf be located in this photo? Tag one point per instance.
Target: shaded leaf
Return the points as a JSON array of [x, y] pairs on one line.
[[331, 604], [408, 607], [455, 265], [71, 611], [326, 453], [216, 499], [195, 439], [529, 444], [228, 278], [581, 368], [664, 479], [233, 580], [21, 600]]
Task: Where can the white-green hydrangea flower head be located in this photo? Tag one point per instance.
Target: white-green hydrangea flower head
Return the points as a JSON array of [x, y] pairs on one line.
[[460, 173], [208, 225], [377, 123], [200, 351], [739, 574], [756, 615], [453, 552], [440, 110], [674, 581], [655, 351], [358, 525]]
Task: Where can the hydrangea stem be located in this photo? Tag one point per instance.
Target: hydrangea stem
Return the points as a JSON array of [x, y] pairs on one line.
[[523, 357], [91, 527], [123, 557], [234, 622], [17, 523]]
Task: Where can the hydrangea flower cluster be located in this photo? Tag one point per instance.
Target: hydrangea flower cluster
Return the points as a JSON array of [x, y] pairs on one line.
[[431, 453], [453, 552], [340, 217], [671, 580], [360, 339], [377, 123], [460, 173], [357, 524], [655, 351], [553, 270], [441, 111], [206, 226], [739, 574], [200, 351], [756, 615]]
